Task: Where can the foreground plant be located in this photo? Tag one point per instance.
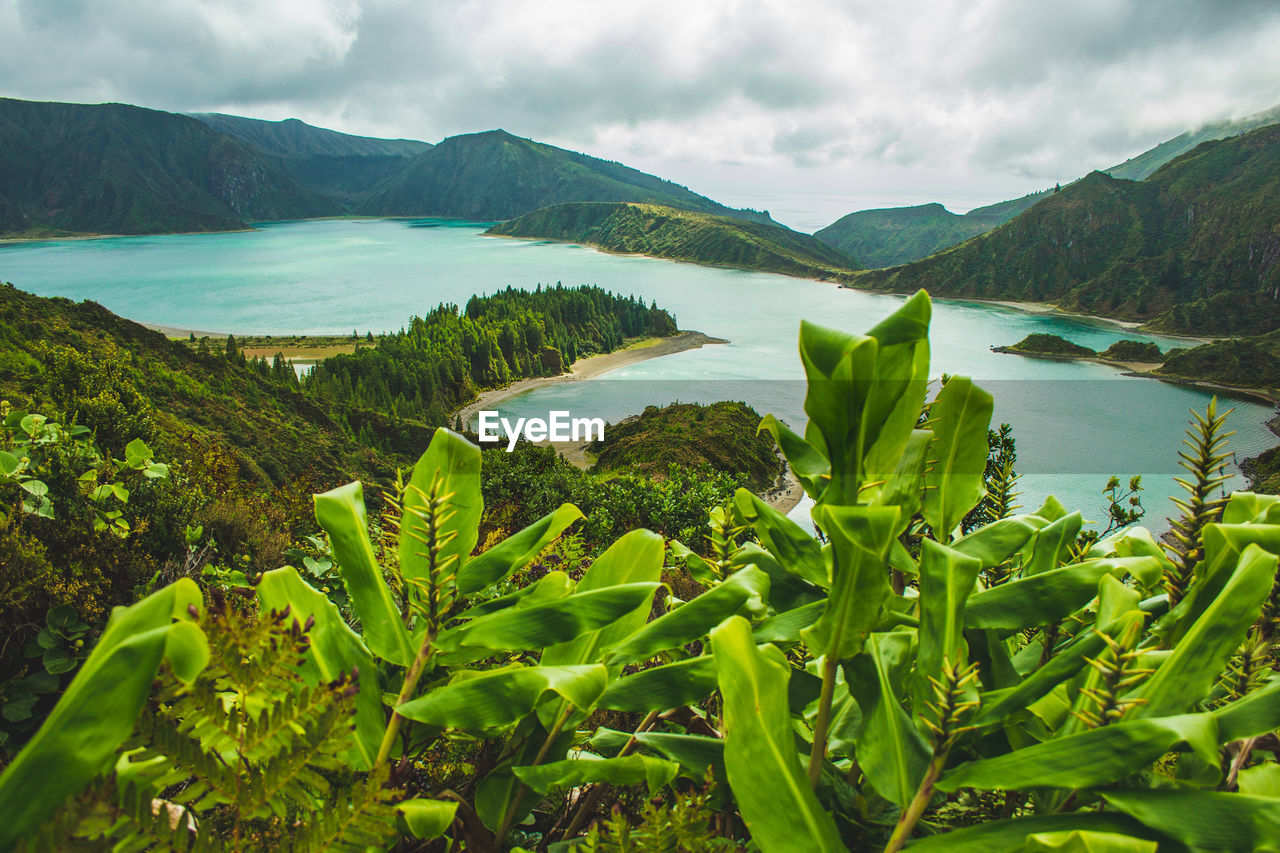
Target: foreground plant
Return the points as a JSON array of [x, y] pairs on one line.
[[839, 689]]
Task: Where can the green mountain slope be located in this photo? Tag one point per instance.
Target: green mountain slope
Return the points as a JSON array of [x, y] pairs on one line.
[[113, 168], [340, 165], [1194, 248], [294, 138], [897, 235], [681, 235], [494, 175], [1137, 168], [900, 235]]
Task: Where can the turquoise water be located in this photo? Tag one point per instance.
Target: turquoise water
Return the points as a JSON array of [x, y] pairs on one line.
[[1075, 423]]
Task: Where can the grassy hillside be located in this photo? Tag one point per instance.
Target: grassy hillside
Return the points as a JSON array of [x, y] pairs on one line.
[[339, 165], [494, 175], [1194, 248], [682, 235], [113, 168], [898, 235], [720, 435], [1242, 362]]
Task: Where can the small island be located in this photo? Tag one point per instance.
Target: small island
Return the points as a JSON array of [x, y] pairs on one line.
[[1049, 346]]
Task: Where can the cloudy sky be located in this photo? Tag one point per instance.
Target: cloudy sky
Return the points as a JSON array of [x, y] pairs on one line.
[[811, 108]]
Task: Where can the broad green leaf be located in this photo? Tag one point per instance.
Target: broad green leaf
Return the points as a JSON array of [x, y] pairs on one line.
[[536, 625], [796, 551], [695, 753], [549, 587], [10, 464], [1011, 836], [807, 463], [341, 513], [947, 578], [499, 789], [1049, 596], [427, 819], [335, 650], [96, 714], [860, 539], [1205, 820], [890, 749], [904, 488], [1051, 545], [787, 590], [764, 770], [1185, 676], [746, 588], [841, 371], [996, 542], [1255, 714], [1087, 841], [1261, 780], [454, 463], [137, 454], [662, 688], [960, 417], [894, 449], [785, 627], [1245, 507], [628, 770], [498, 698], [1094, 757], [514, 552]]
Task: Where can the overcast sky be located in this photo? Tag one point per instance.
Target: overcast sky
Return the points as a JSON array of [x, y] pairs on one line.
[[809, 108]]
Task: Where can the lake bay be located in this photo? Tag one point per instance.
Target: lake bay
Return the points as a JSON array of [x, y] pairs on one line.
[[1075, 423]]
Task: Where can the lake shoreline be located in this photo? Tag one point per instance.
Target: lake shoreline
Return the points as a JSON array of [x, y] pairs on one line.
[[590, 368]]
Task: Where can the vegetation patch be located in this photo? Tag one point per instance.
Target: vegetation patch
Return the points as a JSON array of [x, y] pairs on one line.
[[1139, 351], [690, 435], [1048, 345]]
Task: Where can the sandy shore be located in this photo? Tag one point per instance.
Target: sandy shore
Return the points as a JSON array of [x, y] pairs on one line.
[[1054, 310], [590, 368], [786, 494]]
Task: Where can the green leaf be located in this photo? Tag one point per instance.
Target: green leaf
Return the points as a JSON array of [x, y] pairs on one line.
[[860, 539], [662, 688], [37, 488], [137, 454], [764, 770], [746, 588], [1205, 820], [1087, 841], [960, 417], [514, 552], [540, 624], [996, 542], [1052, 544], [1261, 780], [905, 486], [10, 465], [1011, 836], [341, 514], [786, 627], [890, 749], [1186, 675], [427, 819], [498, 698], [1094, 757], [97, 713], [796, 551], [947, 578], [334, 650], [456, 462], [1049, 596], [628, 770], [1255, 714], [695, 753], [807, 463]]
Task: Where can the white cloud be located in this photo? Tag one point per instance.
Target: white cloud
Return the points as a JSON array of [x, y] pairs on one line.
[[985, 93]]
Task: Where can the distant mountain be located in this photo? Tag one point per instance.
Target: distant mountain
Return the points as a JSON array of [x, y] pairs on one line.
[[294, 138], [682, 235], [1193, 248], [495, 175], [899, 235], [325, 161], [119, 169], [1137, 168]]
